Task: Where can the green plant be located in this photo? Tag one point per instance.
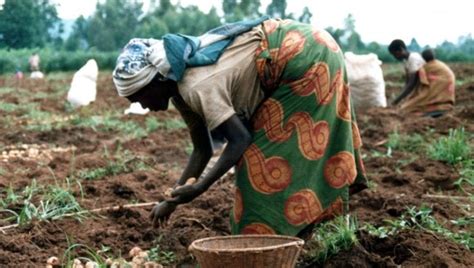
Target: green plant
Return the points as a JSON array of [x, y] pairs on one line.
[[393, 140], [408, 160], [98, 173], [42, 203], [329, 238], [55, 203], [39, 121], [452, 149], [10, 197], [151, 124], [421, 218], [465, 221], [466, 80], [6, 90], [175, 124], [157, 254], [83, 253], [9, 107], [110, 123], [372, 185], [377, 154], [121, 162], [467, 174], [141, 165], [405, 142]]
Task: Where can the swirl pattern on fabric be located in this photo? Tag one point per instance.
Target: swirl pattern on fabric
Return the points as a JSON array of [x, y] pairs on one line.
[[313, 137], [257, 229], [303, 207], [267, 175], [340, 170]]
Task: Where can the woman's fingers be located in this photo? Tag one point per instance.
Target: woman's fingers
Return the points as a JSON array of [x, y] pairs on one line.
[[181, 190], [190, 181], [161, 212], [169, 191]]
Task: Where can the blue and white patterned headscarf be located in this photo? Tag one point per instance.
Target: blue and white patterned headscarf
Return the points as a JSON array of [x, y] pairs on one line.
[[137, 65], [142, 59]]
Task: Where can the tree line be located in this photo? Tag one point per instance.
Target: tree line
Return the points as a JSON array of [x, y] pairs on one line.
[[27, 25]]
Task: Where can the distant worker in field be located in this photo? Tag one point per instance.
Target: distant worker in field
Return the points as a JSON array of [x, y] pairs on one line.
[[18, 74], [34, 62], [428, 55], [277, 92], [430, 83]]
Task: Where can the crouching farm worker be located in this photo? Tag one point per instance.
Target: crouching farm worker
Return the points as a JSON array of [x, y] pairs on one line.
[[429, 87], [277, 91]]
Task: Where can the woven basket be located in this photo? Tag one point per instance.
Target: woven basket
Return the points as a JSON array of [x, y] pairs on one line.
[[246, 251]]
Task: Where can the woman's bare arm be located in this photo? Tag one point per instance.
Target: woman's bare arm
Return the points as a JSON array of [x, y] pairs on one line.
[[201, 139], [238, 139], [410, 84]]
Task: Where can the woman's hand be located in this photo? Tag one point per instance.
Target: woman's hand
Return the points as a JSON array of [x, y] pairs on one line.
[[186, 193], [161, 212]]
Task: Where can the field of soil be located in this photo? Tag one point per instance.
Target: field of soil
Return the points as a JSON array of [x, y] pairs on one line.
[[104, 158]]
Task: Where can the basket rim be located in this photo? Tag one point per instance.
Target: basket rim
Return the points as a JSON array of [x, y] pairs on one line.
[[293, 241]]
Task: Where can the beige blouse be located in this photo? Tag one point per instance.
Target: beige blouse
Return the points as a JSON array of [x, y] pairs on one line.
[[230, 86]]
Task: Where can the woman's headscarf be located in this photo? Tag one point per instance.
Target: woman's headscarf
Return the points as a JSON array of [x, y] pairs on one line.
[[137, 65]]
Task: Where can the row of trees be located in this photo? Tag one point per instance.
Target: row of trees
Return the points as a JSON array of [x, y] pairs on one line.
[[35, 24]]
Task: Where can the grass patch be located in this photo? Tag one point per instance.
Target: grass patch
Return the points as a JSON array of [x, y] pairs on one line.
[[405, 142], [377, 154], [174, 124], [9, 107], [84, 254], [123, 161], [110, 123], [452, 149], [6, 90], [422, 219], [467, 174], [9, 197], [39, 120], [158, 255], [40, 203], [152, 124], [111, 169], [329, 238], [466, 80]]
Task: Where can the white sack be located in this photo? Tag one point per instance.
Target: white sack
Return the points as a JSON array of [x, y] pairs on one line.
[[83, 86], [366, 80], [36, 75]]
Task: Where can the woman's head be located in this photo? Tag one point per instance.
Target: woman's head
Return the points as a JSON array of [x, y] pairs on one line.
[[428, 55], [156, 94], [140, 62]]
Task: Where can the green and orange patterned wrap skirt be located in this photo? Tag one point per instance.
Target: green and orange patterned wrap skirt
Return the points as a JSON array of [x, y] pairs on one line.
[[304, 153]]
